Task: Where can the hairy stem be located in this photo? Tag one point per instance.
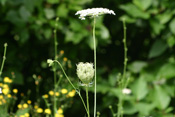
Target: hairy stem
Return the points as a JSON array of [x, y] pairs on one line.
[[87, 98], [4, 58]]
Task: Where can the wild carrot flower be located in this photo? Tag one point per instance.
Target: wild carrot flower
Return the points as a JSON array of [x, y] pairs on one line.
[[85, 72], [93, 12]]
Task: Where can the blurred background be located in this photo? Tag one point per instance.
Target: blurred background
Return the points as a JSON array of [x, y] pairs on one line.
[[27, 26]]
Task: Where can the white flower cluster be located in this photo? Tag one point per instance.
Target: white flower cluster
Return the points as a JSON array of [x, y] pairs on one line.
[[85, 72], [93, 12]]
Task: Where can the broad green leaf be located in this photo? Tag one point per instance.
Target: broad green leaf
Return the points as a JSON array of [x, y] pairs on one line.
[[143, 4], [62, 11], [129, 108], [137, 66], [49, 13], [167, 71], [161, 97], [165, 17], [134, 11], [144, 108], [157, 49], [139, 88], [24, 13], [171, 41], [172, 26], [156, 26]]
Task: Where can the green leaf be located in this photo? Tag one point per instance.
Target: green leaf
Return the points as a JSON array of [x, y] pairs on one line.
[[139, 88], [171, 41], [24, 13], [157, 49], [49, 13], [144, 108], [137, 66], [134, 11], [172, 26], [129, 108], [143, 4], [156, 26], [62, 11], [161, 98], [53, 1], [167, 71]]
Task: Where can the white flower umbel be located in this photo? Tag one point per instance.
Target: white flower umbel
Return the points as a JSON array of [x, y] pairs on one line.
[[126, 91], [93, 12], [85, 72]]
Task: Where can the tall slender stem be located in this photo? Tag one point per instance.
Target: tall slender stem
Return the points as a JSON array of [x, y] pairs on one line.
[[87, 98], [72, 85], [4, 58], [54, 69], [95, 98], [123, 82]]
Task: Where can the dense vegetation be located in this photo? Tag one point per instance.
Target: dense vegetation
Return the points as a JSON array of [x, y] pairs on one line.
[[27, 26]]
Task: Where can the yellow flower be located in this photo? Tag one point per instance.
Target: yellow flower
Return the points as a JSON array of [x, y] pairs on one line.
[[5, 86], [0, 103], [19, 106], [65, 59], [63, 91], [62, 52], [1, 97], [15, 90], [26, 115], [5, 91], [47, 111], [25, 105], [6, 79], [45, 96], [71, 94], [35, 106], [39, 110], [60, 111], [57, 93], [51, 93], [1, 84], [29, 101], [9, 95], [4, 101], [58, 115]]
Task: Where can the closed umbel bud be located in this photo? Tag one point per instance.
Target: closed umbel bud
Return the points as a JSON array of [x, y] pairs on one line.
[[85, 72]]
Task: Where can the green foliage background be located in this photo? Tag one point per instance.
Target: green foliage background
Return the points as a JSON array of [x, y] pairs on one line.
[[27, 26]]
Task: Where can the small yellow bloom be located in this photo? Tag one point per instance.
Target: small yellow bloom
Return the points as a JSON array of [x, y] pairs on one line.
[[35, 106], [29, 101], [60, 111], [25, 105], [5, 86], [71, 94], [4, 101], [62, 52], [9, 95], [19, 106], [51, 93], [6, 79], [65, 59], [0, 103], [58, 115], [26, 115], [57, 93], [39, 110], [1, 97], [45, 96], [5, 91], [15, 90], [64, 91], [47, 111], [1, 84]]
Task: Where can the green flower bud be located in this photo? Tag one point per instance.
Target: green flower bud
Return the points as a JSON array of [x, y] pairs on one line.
[[85, 72]]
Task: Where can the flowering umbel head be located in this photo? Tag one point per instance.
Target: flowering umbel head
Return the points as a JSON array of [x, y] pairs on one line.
[[85, 72], [93, 12]]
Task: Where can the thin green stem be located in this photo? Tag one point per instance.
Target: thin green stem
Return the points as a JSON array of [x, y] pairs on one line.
[[4, 58], [95, 98], [55, 78], [123, 80], [87, 98], [72, 85]]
